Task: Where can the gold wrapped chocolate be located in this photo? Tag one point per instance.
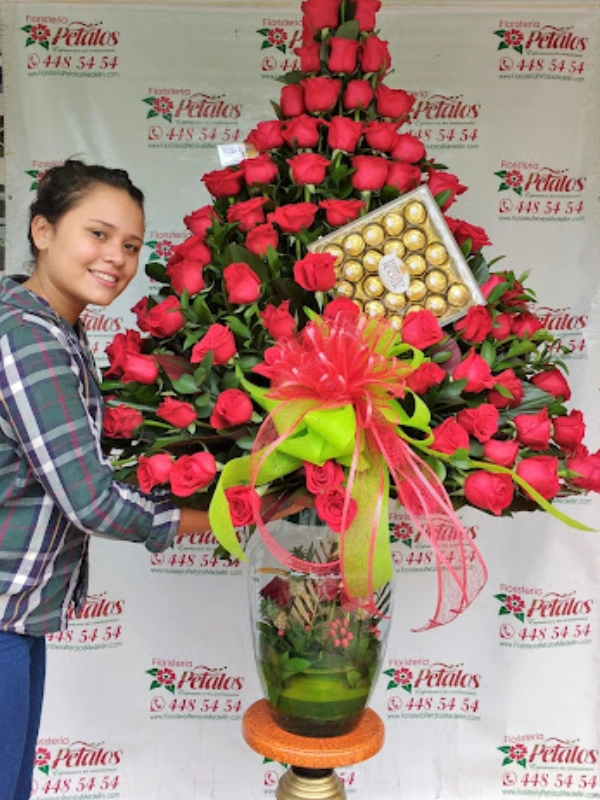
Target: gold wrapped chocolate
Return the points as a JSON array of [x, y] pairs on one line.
[[401, 258], [396, 322]]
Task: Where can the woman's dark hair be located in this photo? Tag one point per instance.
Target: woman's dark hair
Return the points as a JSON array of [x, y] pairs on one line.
[[62, 188]]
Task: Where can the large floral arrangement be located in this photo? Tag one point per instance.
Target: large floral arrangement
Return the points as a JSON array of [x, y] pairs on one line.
[[249, 377]]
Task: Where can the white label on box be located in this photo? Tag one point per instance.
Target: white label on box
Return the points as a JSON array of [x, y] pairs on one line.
[[394, 274]]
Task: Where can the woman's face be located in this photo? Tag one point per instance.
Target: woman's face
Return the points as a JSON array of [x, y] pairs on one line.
[[91, 254]]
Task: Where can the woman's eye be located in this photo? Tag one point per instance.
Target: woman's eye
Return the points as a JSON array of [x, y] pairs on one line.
[[132, 248], [98, 234]]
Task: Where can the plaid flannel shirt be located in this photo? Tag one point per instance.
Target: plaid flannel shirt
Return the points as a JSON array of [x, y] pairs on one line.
[[56, 485]]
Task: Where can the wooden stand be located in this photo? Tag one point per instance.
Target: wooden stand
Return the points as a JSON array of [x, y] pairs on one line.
[[312, 776]]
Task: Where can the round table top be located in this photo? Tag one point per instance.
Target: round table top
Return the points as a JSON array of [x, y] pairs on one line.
[[264, 736]]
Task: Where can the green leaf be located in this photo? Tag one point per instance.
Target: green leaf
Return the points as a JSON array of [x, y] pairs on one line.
[[452, 389], [156, 270], [153, 671], [506, 761], [497, 293], [503, 611], [266, 44], [501, 597], [392, 685], [348, 30], [443, 197], [155, 685], [292, 77], [185, 385], [488, 352], [441, 356], [237, 326], [170, 688]]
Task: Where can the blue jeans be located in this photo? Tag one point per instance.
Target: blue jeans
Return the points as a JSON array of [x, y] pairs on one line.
[[22, 671]]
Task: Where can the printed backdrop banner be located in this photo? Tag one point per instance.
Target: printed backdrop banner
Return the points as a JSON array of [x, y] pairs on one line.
[[146, 691]]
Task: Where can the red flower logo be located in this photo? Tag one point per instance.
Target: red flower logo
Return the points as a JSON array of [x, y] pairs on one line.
[[164, 248], [164, 678], [517, 752], [273, 37], [39, 33], [511, 179], [403, 676], [514, 753], [513, 37], [42, 759], [402, 532], [512, 604], [161, 106]]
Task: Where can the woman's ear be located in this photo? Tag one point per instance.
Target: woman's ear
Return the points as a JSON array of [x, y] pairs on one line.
[[40, 231]]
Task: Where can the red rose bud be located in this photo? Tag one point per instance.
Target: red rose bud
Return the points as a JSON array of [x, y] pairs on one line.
[[226, 182], [588, 468], [121, 421], [153, 471], [381, 135], [501, 327], [315, 272], [244, 505], [310, 56], [462, 231], [568, 432], [266, 136], [291, 100], [364, 14], [541, 473], [393, 103], [421, 329], [278, 321], [200, 220], [324, 477], [116, 352], [481, 421], [424, 377], [302, 131], [262, 237], [293, 217], [259, 170], [358, 95], [320, 14], [321, 93], [374, 55], [219, 339], [370, 173], [340, 212], [344, 134], [476, 325], [403, 177], [553, 382], [186, 276], [440, 182], [329, 506], [525, 325], [509, 381], [308, 168], [343, 54], [194, 248], [494, 280], [165, 319], [177, 412], [191, 473], [248, 213], [341, 305], [501, 452], [449, 437], [533, 430], [477, 372], [242, 284], [408, 148], [489, 492], [233, 407], [139, 369]]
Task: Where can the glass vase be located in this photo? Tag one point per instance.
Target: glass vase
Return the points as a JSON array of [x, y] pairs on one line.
[[318, 652]]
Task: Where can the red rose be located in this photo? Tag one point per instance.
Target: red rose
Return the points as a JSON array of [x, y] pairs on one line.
[[358, 95], [320, 14], [343, 54], [302, 131], [421, 329], [308, 168], [262, 237], [533, 430], [153, 470], [244, 505], [494, 280], [233, 407], [315, 272], [476, 325], [344, 134], [553, 382], [424, 377], [374, 55], [381, 135], [226, 182], [403, 176], [525, 325], [200, 220], [310, 56], [248, 213], [330, 508], [449, 437], [123, 343], [121, 421], [393, 103], [322, 478], [321, 93], [341, 305], [217, 338], [139, 369], [293, 217], [291, 100], [340, 212], [568, 432], [177, 412], [165, 319], [501, 326], [259, 170], [441, 182], [278, 321], [370, 173], [501, 452], [408, 148], [186, 276], [140, 309], [266, 136], [365, 12], [489, 491], [190, 473], [242, 284], [588, 468], [541, 473], [462, 231], [481, 421], [194, 248], [509, 381], [477, 372]]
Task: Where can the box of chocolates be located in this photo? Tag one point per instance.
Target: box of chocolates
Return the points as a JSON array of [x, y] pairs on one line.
[[400, 258]]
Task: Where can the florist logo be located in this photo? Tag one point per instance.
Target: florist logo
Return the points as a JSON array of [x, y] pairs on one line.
[[276, 37], [162, 249], [514, 754], [400, 678], [69, 35], [160, 106], [510, 38], [193, 679], [42, 760], [164, 678], [510, 179], [37, 34], [539, 180], [542, 38], [402, 532], [511, 604]]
